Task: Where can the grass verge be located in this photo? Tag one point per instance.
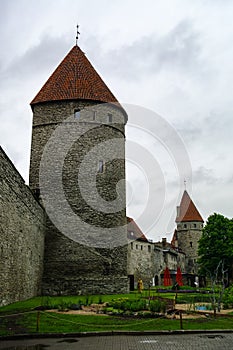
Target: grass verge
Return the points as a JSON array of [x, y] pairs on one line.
[[21, 317], [62, 323]]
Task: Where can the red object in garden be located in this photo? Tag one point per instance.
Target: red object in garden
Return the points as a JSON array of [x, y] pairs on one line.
[[167, 278], [179, 276]]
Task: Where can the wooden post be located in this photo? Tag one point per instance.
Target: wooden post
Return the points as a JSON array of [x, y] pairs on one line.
[[181, 320]]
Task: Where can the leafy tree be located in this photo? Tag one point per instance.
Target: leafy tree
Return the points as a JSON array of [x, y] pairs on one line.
[[216, 246]]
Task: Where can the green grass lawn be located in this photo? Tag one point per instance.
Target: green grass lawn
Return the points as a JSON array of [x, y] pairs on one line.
[[21, 317], [63, 323], [54, 302]]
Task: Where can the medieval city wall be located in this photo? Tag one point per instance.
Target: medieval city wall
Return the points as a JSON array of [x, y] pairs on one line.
[[188, 235], [21, 236], [148, 261], [85, 246]]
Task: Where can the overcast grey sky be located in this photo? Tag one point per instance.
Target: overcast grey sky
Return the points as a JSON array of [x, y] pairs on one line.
[[173, 57]]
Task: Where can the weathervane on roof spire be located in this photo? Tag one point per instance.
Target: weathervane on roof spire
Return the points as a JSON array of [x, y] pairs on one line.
[[185, 182], [77, 35]]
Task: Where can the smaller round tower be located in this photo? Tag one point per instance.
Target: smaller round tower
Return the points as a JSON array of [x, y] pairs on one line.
[[189, 231]]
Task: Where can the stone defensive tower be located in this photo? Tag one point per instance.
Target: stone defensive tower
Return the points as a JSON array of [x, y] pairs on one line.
[[189, 231], [77, 170]]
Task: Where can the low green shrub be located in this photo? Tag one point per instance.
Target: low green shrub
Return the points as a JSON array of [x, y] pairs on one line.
[[129, 305], [157, 306], [138, 305], [228, 298]]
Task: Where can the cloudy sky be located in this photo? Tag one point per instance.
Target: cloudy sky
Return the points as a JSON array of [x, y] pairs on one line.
[[171, 58]]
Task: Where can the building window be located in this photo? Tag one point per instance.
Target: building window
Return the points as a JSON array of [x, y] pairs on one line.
[[94, 115], [185, 226], [194, 225], [77, 114], [131, 245], [191, 244], [141, 247], [149, 248], [101, 166], [136, 246], [109, 117]]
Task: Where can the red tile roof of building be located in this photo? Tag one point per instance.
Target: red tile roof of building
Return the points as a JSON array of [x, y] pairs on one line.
[[75, 78], [174, 239], [134, 232], [187, 210]]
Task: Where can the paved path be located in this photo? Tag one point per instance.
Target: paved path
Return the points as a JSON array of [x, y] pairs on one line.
[[211, 341]]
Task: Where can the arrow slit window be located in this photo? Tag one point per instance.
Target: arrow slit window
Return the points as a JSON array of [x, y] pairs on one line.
[[101, 166], [77, 114]]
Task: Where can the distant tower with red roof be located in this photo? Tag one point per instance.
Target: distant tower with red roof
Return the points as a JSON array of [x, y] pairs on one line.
[[188, 232], [76, 98]]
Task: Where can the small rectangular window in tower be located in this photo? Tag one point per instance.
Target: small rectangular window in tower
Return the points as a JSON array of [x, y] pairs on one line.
[[149, 248], [191, 244], [94, 115], [77, 114], [131, 245], [194, 225], [109, 117], [141, 247], [101, 166]]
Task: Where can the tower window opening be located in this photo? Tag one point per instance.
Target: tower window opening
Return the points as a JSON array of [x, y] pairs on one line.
[[101, 166], [191, 244], [94, 115], [136, 246], [149, 248], [194, 225], [77, 114], [109, 117], [131, 245], [141, 247], [185, 226]]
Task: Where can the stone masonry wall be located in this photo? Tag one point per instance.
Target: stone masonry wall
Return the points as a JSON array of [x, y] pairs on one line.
[[148, 261], [188, 235], [21, 236], [78, 224], [71, 268]]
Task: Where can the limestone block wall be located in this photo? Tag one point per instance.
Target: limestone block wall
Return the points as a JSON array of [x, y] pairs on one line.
[[71, 268], [148, 261], [21, 236], [74, 263], [48, 116], [145, 260], [188, 235], [170, 259], [140, 259]]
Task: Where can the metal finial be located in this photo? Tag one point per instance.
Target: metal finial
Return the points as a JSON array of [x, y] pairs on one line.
[[185, 182], [77, 35]]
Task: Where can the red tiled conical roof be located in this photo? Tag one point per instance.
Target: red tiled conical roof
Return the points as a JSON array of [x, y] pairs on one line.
[[134, 232], [187, 210], [75, 78]]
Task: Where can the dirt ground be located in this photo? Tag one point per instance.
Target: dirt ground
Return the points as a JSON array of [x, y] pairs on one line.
[[95, 308], [188, 307]]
